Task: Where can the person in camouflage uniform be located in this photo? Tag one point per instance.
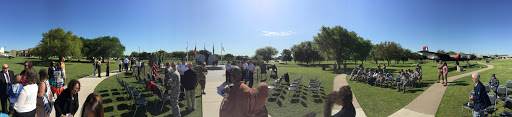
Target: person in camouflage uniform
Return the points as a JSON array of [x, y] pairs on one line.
[[173, 83], [404, 82], [202, 71], [440, 71]]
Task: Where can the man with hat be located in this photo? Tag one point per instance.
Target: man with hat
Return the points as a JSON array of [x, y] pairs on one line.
[[494, 83], [202, 71], [241, 94]]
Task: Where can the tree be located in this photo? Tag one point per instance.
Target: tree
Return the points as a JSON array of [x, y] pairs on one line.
[[388, 51], [305, 52], [179, 54], [134, 54], [362, 50], [286, 55], [266, 53], [451, 52], [105, 46], [57, 42], [336, 43], [229, 57], [241, 57], [441, 51]]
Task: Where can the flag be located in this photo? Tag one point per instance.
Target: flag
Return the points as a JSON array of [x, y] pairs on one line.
[[213, 49], [222, 47], [195, 48], [154, 70], [187, 46]]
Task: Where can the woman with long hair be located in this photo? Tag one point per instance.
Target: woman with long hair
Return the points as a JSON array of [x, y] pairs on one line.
[[342, 97], [93, 106]]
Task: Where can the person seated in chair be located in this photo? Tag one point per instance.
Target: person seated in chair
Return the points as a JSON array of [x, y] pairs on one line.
[[354, 72], [404, 82], [494, 83], [380, 79]]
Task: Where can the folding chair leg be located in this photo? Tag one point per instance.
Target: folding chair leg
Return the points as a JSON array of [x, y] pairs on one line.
[[136, 107], [162, 106]]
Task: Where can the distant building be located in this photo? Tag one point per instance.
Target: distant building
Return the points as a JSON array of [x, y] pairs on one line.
[[2, 49], [25, 53]]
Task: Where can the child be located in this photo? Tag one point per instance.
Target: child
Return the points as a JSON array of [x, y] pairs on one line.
[[14, 90]]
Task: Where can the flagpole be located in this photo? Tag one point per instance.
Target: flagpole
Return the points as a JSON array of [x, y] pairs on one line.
[[187, 51], [221, 52]]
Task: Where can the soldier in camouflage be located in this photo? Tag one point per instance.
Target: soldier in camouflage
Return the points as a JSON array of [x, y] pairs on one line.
[[440, 71], [201, 75], [173, 84]]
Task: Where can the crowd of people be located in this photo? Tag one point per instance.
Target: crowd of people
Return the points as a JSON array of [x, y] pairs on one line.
[[36, 94], [378, 77]]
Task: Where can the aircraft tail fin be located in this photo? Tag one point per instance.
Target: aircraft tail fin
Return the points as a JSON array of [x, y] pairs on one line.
[[425, 48]]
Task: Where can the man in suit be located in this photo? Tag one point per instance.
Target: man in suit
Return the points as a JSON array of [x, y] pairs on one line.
[[6, 79], [190, 83], [480, 98]]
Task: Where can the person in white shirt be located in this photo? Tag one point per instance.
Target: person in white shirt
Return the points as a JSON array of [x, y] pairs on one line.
[[120, 65], [228, 71], [244, 71], [250, 69], [126, 61], [27, 99], [182, 68]]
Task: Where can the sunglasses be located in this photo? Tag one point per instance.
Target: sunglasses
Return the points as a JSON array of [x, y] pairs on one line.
[[5, 68]]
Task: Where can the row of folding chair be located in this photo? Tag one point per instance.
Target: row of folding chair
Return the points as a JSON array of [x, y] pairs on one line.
[[137, 101]]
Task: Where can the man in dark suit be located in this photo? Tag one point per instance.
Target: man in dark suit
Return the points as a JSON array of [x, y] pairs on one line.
[[190, 83], [6, 79], [480, 98]]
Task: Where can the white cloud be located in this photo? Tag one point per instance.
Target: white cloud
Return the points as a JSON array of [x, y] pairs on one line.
[[281, 34]]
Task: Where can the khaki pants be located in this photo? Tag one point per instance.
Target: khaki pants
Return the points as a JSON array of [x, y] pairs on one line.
[[440, 76], [190, 95]]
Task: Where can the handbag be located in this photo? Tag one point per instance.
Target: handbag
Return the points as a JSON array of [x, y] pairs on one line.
[[48, 104]]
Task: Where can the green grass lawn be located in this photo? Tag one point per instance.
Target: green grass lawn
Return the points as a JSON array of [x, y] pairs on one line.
[[457, 93], [74, 69], [116, 104], [377, 101]]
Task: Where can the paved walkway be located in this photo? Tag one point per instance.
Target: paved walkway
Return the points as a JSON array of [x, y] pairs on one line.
[[88, 83], [427, 103], [340, 81]]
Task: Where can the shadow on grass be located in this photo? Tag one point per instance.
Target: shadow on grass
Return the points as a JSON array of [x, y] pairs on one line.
[[120, 99], [105, 95], [414, 90], [123, 107], [303, 104], [141, 112], [108, 109], [318, 101], [279, 103], [106, 101], [294, 101]]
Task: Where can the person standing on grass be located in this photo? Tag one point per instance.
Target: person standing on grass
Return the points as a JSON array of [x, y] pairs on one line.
[[173, 84], [480, 97], [251, 69], [240, 94], [202, 71], [67, 103], [25, 106], [120, 65], [44, 95], [126, 61], [228, 69], [445, 74], [99, 67], [182, 68], [190, 84], [51, 71], [14, 91], [60, 80], [95, 64], [27, 67], [6, 79], [440, 71], [494, 83], [108, 67]]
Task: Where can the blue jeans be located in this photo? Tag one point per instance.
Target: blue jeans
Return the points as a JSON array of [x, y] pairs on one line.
[[479, 113]]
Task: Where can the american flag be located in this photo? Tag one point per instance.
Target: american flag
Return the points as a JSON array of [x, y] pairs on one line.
[[155, 73]]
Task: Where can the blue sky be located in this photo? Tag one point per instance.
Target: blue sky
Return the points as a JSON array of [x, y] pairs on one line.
[[470, 26]]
